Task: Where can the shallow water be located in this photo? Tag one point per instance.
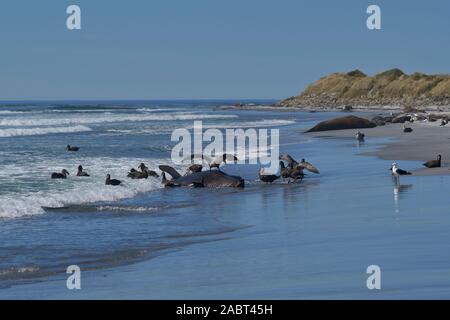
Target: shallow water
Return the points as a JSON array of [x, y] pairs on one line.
[[309, 240], [47, 224]]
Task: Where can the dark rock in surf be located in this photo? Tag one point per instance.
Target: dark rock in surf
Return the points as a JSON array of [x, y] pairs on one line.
[[349, 122]]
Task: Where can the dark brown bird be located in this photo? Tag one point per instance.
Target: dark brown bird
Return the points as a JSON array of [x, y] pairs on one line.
[[134, 174], [63, 175], [297, 174], [434, 163], [285, 172], [145, 169], [112, 182], [82, 173], [70, 148], [407, 129], [291, 161], [291, 173]]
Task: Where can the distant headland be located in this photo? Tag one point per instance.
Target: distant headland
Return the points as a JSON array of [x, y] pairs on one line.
[[389, 89]]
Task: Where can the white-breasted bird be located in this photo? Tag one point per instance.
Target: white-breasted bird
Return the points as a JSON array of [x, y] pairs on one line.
[[396, 171]]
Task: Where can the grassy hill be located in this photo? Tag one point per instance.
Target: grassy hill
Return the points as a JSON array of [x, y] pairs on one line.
[[389, 88]]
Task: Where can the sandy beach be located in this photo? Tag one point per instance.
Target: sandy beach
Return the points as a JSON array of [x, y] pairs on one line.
[[427, 140]]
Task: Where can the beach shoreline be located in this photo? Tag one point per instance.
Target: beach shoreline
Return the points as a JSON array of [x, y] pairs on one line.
[[429, 109], [427, 140]]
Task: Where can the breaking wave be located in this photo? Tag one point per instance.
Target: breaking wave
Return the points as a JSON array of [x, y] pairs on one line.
[[109, 119], [14, 132], [74, 190]]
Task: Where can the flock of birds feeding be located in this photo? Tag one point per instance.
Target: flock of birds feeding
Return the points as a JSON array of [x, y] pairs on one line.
[[293, 171], [289, 169]]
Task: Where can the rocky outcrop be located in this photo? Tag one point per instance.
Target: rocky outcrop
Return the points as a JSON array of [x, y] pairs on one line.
[[349, 122], [389, 88]]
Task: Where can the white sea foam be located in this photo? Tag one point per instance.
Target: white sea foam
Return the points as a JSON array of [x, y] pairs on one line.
[[127, 208], [158, 109], [9, 112], [233, 125], [45, 192], [41, 121], [13, 132]]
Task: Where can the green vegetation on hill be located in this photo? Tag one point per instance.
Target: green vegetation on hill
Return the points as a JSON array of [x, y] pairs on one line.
[[389, 88]]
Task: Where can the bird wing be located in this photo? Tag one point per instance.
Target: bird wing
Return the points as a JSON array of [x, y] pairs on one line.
[[289, 159], [174, 173], [308, 166]]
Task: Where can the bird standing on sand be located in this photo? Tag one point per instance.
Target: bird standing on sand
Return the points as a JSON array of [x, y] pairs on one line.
[[407, 129], [63, 175], [82, 173], [434, 163], [396, 171], [112, 182], [360, 136], [70, 148], [267, 177]]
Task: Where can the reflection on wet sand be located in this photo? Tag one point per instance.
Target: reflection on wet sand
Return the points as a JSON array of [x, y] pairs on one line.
[[399, 189], [359, 144], [286, 194]]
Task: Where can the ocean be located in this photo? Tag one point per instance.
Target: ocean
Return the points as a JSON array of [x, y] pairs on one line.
[[313, 239]]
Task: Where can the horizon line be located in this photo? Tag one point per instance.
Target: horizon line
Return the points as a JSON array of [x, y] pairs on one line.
[[137, 100]]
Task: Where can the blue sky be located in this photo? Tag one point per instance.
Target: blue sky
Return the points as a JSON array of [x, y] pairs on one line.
[[204, 49]]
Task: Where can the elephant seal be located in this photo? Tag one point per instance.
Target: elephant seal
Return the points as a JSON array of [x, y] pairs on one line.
[[203, 179], [349, 122]]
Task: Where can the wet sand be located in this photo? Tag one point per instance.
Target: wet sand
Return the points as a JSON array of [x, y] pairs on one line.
[[427, 140]]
